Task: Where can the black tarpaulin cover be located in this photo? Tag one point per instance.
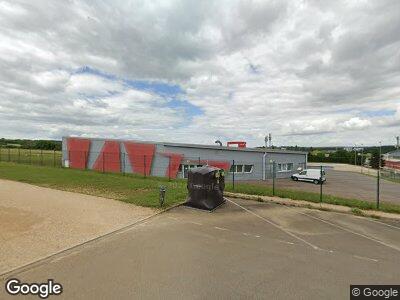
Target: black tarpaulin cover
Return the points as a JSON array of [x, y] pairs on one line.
[[206, 186]]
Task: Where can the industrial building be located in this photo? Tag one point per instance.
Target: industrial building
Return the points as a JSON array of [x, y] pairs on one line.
[[173, 160]]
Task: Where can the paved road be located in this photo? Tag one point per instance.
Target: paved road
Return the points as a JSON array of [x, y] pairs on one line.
[[348, 185], [244, 250], [36, 222]]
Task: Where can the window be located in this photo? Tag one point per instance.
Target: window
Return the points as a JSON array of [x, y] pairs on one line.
[[241, 169], [284, 167], [248, 168]]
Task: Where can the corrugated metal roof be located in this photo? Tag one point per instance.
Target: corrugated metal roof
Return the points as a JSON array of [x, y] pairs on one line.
[[200, 146]]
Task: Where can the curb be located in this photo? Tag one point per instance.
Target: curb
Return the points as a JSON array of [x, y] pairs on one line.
[[313, 205], [42, 260]]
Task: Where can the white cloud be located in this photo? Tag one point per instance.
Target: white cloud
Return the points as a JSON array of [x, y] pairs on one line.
[[306, 71], [356, 123]]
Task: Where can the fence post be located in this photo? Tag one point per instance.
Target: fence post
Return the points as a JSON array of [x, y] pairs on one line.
[[144, 165], [320, 183], [378, 189], [273, 177], [103, 161], [123, 164], [169, 167], [9, 158], [54, 158], [233, 174], [41, 157]]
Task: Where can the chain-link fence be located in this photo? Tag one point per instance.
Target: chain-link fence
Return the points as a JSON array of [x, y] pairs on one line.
[[275, 178], [31, 156]]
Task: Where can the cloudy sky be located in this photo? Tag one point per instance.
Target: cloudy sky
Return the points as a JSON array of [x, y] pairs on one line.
[[310, 72]]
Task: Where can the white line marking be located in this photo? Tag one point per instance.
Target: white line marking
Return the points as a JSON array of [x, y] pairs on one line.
[[195, 223], [365, 258], [353, 232], [220, 228], [276, 225], [285, 242], [257, 236], [389, 225]]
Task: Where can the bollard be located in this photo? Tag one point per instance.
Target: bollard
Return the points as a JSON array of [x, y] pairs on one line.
[[162, 195]]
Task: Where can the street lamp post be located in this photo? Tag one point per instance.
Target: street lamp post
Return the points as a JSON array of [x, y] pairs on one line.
[[362, 154]]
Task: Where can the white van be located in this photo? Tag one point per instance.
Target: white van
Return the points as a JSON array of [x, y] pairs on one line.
[[313, 175]]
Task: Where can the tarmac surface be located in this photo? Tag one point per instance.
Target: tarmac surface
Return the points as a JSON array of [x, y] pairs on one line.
[[36, 222], [243, 250], [345, 184]]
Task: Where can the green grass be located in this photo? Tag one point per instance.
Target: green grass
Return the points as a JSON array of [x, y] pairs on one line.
[[255, 189], [31, 156], [129, 188], [143, 191]]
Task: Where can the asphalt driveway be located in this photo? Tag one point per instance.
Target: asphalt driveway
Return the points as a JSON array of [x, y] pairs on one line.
[[244, 250], [346, 184]]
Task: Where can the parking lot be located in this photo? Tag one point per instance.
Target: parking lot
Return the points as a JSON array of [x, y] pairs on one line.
[[245, 249], [346, 184]]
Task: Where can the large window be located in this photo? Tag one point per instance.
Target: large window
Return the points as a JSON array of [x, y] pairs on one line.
[[241, 169], [284, 167]]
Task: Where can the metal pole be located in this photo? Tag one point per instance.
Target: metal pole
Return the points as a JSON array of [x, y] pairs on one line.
[[169, 168], [273, 177], [361, 163], [378, 189], [54, 158], [123, 164], [233, 174], [144, 164], [41, 157], [320, 183], [378, 177], [103, 162]]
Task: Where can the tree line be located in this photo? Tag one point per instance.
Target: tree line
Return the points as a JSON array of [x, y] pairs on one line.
[[31, 144]]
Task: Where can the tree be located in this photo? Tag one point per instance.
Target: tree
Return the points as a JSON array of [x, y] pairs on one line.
[[374, 161]]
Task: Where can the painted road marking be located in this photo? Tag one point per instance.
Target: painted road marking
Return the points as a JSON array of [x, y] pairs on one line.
[[389, 225], [195, 223], [365, 258], [353, 232], [276, 225], [220, 228]]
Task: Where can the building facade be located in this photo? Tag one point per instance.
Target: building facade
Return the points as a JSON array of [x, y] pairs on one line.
[[392, 160], [174, 160]]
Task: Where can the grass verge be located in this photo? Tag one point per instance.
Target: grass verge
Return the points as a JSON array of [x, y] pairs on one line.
[[129, 188], [254, 189]]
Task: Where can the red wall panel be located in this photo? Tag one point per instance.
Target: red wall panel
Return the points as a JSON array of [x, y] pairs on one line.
[[173, 165], [392, 164], [78, 152], [109, 159], [140, 156]]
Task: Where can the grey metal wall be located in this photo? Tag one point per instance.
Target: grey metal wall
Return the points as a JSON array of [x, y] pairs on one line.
[[192, 154]]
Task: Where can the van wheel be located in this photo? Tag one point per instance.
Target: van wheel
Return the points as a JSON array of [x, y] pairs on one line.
[[316, 181], [295, 178]]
